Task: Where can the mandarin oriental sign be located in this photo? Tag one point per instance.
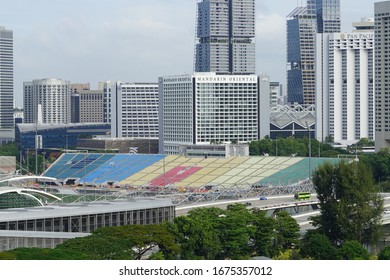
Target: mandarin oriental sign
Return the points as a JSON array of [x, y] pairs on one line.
[[226, 79]]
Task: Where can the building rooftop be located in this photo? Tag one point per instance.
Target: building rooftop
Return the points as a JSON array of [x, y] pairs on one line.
[[78, 209], [28, 127]]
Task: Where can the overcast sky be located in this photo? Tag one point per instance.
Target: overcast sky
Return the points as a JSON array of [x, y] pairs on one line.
[[133, 40]]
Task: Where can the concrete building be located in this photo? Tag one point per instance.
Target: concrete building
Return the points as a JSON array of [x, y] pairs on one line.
[[134, 110], [47, 101], [121, 145], [366, 24], [292, 120], [276, 94], [75, 100], [106, 87], [206, 108], [302, 25], [91, 106], [7, 131], [345, 85], [225, 37], [57, 136], [382, 75], [49, 226]]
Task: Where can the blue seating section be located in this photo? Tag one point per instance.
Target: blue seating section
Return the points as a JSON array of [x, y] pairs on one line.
[[76, 165], [119, 168]]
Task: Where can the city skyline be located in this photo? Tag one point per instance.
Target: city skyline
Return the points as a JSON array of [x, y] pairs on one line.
[[137, 41]]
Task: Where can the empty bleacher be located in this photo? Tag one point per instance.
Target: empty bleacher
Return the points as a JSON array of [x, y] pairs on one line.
[[139, 170], [120, 167], [75, 166], [295, 172]]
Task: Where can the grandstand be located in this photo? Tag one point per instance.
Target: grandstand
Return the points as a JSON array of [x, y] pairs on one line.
[[185, 173]]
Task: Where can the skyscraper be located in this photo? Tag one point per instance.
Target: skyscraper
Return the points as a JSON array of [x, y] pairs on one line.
[[318, 16], [345, 85], [328, 16], [225, 37], [382, 75], [206, 108], [7, 131]]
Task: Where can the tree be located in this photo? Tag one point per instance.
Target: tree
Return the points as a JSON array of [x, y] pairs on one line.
[[379, 164], [125, 243], [329, 139], [196, 236], [318, 247], [287, 231], [9, 149], [235, 231], [261, 147], [350, 205], [384, 254], [353, 250], [224, 234], [264, 233], [42, 254], [100, 248]]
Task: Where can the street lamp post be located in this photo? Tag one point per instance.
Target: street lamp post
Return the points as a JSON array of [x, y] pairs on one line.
[[276, 145], [27, 161], [308, 128]]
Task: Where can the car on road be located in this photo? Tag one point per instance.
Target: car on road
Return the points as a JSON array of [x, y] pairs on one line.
[[386, 211], [263, 198]]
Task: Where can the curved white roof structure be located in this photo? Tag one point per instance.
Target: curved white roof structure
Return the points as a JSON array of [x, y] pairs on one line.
[[28, 193], [21, 178]]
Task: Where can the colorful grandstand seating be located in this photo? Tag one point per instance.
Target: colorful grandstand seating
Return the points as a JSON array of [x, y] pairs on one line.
[[174, 175], [148, 170]]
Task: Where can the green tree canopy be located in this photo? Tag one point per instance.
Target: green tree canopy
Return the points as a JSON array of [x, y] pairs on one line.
[[42, 254], [9, 149], [125, 242], [318, 247], [353, 250], [350, 205], [384, 254], [197, 237], [287, 231]]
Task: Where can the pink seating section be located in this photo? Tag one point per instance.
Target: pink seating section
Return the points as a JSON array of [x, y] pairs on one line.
[[174, 175]]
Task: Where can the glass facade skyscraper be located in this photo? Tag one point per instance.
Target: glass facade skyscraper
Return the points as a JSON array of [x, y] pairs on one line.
[[6, 85], [318, 16], [225, 37], [328, 16]]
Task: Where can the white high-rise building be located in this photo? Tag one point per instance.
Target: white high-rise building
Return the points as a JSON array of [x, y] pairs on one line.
[[206, 108], [50, 96], [382, 75], [134, 108], [345, 86], [7, 130]]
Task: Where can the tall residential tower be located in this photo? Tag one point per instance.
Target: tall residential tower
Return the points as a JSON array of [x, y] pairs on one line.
[[7, 131], [225, 37], [345, 85], [47, 101], [382, 75]]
